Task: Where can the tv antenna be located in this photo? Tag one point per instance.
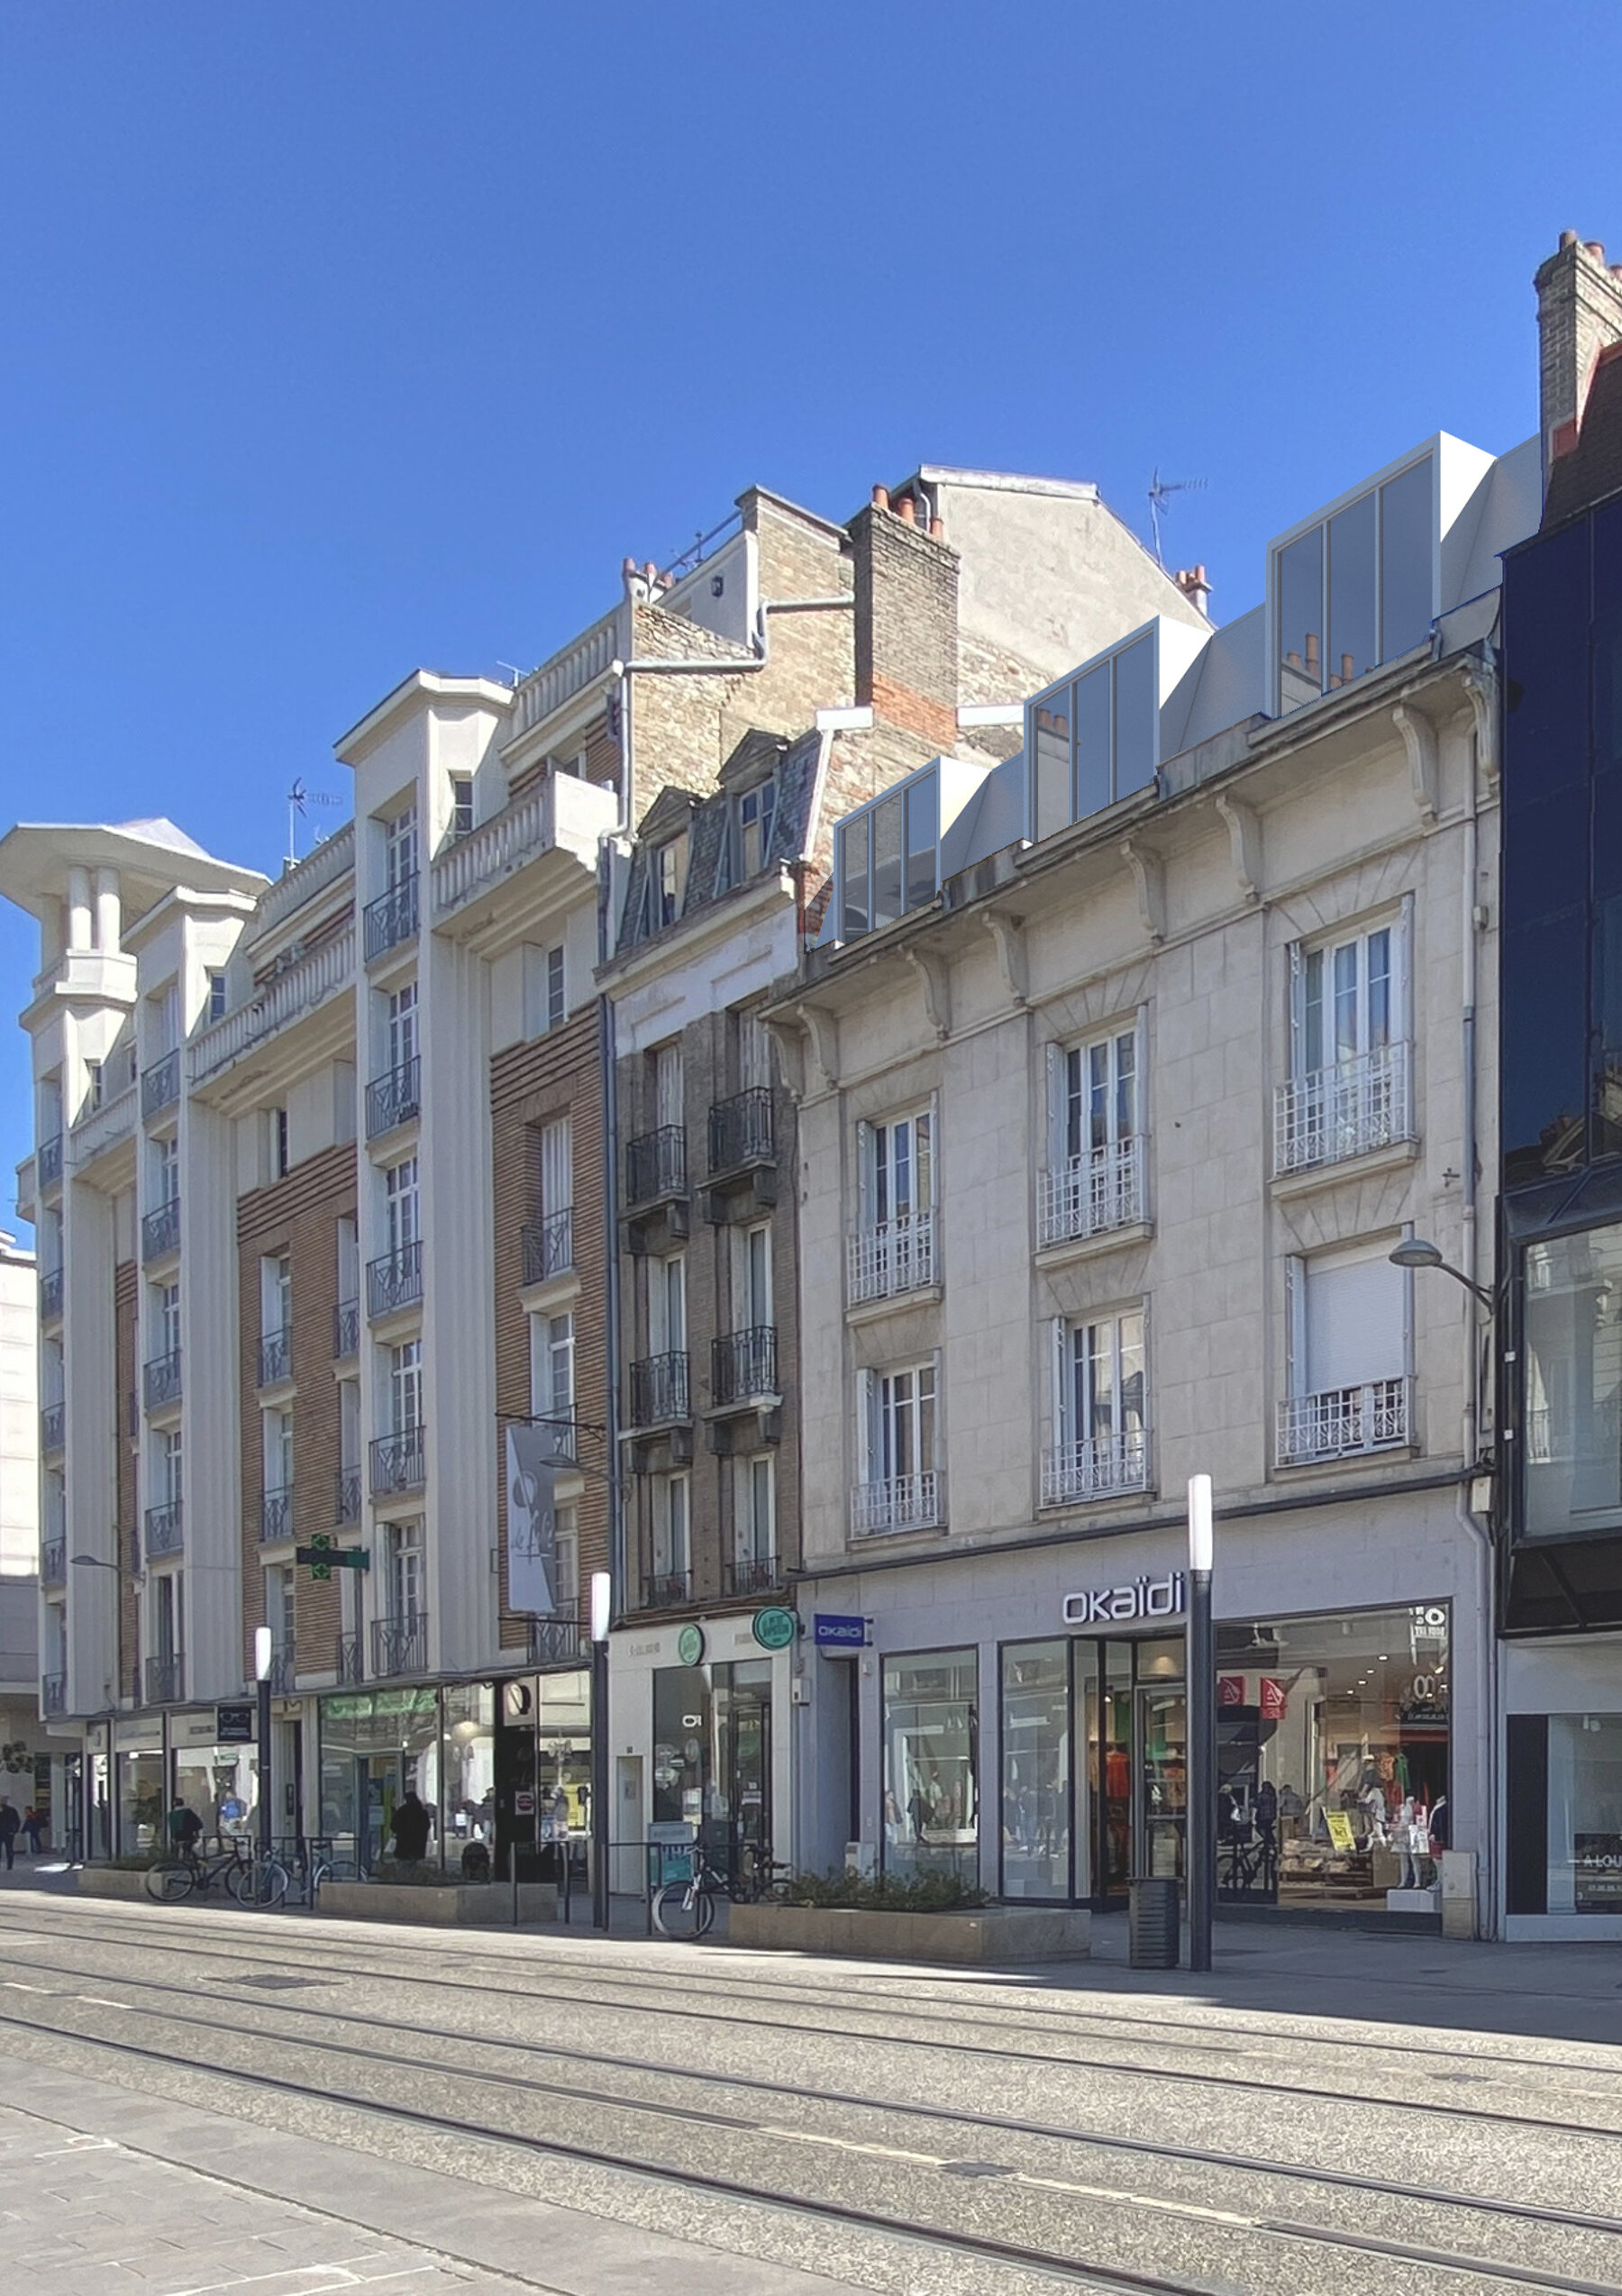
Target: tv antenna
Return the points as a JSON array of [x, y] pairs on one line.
[[300, 798], [1160, 491]]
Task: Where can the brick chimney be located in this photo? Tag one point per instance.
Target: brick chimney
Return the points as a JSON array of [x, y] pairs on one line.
[[1579, 315], [1192, 582], [906, 621]]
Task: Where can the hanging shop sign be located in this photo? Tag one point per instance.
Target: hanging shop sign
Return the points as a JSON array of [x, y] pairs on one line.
[[1144, 1597], [689, 1647], [235, 1725], [775, 1627]]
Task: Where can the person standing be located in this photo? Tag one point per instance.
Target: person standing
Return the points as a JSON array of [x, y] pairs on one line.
[[185, 1829], [9, 1824], [33, 1826], [410, 1830]]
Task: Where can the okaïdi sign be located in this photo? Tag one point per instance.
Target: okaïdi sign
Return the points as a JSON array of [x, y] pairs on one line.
[[1145, 1598]]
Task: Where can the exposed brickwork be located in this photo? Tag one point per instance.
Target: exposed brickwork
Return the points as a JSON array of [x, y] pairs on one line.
[[1579, 313], [127, 1298], [907, 624]]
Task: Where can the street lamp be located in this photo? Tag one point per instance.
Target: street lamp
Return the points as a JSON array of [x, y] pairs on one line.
[[263, 1655], [1415, 1251], [1201, 1790], [602, 1593]]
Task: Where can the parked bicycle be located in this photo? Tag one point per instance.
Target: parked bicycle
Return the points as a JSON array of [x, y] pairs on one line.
[[685, 1908], [195, 1872]]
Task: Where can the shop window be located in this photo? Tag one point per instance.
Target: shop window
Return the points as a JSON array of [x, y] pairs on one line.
[[1036, 1781], [1572, 1441], [1585, 1813], [931, 1814]]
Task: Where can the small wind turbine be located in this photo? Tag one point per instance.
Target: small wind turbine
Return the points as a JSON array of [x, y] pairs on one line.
[[299, 800], [1160, 491]]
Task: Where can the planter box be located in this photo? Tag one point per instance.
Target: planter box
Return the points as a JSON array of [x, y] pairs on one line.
[[111, 1881], [993, 1935], [466, 1905]]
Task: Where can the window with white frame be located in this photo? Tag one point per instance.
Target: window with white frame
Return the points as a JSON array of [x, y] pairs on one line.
[[165, 1019], [566, 1570], [899, 1489], [278, 1436], [1095, 738], [754, 811], [400, 849], [169, 1459], [553, 1378], [275, 1295], [95, 1082], [216, 995], [168, 1627], [557, 1005], [1355, 589], [668, 864], [893, 1249], [754, 1521], [461, 804], [165, 1320], [401, 1207], [347, 1245], [279, 1597], [672, 1533], [1100, 1414], [887, 857], [1095, 1176], [548, 1248], [752, 1277], [668, 1079], [1348, 1351], [277, 1143], [400, 1034], [406, 1386], [667, 1305], [1348, 1092], [403, 1561], [166, 1171], [754, 1051]]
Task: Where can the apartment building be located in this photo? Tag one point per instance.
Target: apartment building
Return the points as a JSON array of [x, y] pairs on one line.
[[25, 1754], [1122, 1068]]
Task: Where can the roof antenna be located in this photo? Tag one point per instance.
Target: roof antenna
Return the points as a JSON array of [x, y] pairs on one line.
[[299, 800], [1161, 490]]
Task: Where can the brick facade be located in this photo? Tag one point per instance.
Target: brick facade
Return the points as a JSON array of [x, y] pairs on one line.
[[907, 624]]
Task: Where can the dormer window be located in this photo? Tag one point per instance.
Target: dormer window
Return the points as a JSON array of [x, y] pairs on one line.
[[1355, 589], [1095, 738], [756, 811], [888, 857], [669, 880]]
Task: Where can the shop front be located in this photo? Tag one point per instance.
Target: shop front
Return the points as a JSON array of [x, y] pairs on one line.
[[1563, 1772]]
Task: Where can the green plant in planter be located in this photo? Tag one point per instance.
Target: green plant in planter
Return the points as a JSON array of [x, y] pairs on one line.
[[927, 1892]]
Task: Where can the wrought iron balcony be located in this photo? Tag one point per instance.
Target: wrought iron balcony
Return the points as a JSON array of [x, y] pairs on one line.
[[53, 1426], [741, 1131], [283, 1667], [53, 1695], [549, 1247], [160, 1379], [393, 1099], [394, 1279], [346, 1659], [1096, 1468], [660, 1589], [744, 1365], [165, 1679], [659, 1390], [896, 1503], [400, 1645], [561, 1640], [346, 1329], [753, 1575], [656, 1165], [398, 1463], [165, 1529], [47, 1162], [1350, 1109], [276, 1515], [391, 918], [1091, 1194], [50, 1295], [160, 1230], [346, 1499], [53, 1563], [276, 1356], [160, 1085], [897, 1255], [1341, 1422]]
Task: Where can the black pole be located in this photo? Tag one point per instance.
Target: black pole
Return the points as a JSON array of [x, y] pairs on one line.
[[1201, 1817], [264, 1763], [600, 1827]]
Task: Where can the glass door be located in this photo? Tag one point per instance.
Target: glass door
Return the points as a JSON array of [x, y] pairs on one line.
[[1105, 1671], [1162, 1741]]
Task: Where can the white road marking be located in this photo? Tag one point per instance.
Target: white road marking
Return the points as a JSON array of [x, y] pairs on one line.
[[100, 2001], [15, 1985]]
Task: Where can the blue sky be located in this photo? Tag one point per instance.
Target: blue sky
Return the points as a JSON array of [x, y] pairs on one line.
[[339, 340]]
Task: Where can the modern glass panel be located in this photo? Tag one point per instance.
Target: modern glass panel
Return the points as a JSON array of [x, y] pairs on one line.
[[887, 860], [1405, 519], [1036, 1786], [931, 1764], [1051, 742], [1571, 1437], [1301, 621], [1546, 671], [1136, 708], [1585, 1813], [1353, 636], [922, 830], [1092, 786], [856, 915], [1544, 1032], [466, 1767]]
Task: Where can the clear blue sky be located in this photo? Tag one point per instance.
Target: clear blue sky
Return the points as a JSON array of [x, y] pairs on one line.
[[338, 339]]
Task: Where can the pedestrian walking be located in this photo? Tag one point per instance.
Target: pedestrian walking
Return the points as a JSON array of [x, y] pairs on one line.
[[185, 1828], [410, 1830], [33, 1826], [9, 1824]]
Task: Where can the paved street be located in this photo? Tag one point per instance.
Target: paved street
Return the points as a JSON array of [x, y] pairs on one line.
[[202, 2101]]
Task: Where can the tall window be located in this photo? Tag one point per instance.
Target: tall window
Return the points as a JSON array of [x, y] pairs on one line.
[[404, 1563], [216, 995], [931, 1815], [171, 1619], [400, 849], [1354, 590], [557, 1008], [887, 857], [1349, 1086], [552, 1371], [899, 1435], [752, 1277], [754, 1052], [668, 1110], [1572, 1442], [281, 1152], [1094, 1178], [461, 804], [669, 866], [754, 1508], [1099, 1407], [169, 1463], [401, 1206], [166, 1171], [897, 1167], [347, 1244], [756, 810], [1094, 739], [95, 1081], [165, 1304], [402, 1027], [279, 1585], [1343, 999], [566, 1573], [275, 1295], [278, 1451], [672, 1552], [557, 1167], [1347, 1355], [667, 1305], [406, 1386]]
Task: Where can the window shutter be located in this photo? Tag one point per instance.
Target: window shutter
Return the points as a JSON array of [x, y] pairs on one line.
[[1402, 940], [866, 1192], [928, 1198], [867, 1427], [1354, 1322], [937, 1454], [1055, 1107], [1297, 1013], [1295, 1327], [1061, 1401]]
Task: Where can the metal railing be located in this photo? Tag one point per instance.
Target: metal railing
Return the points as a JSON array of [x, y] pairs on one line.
[[164, 1531], [50, 1295], [161, 1231], [276, 1356], [346, 1659], [276, 1515], [53, 1426], [394, 1098], [563, 674], [896, 1503], [895, 1256], [561, 1640], [320, 866], [656, 1165], [1341, 1421], [98, 1129], [53, 1561], [1095, 1467], [394, 1279], [165, 1678], [549, 1247], [346, 1496], [1347, 1110], [744, 1365], [299, 988], [397, 1462], [1090, 1194], [160, 1379], [283, 1667], [400, 1645], [47, 1162], [53, 1695], [659, 1390], [346, 1329], [660, 1588], [391, 918], [741, 1131], [160, 1084], [753, 1575]]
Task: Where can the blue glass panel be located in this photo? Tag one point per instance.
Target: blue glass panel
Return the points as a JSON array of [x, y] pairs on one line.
[[1137, 708], [1545, 666], [1543, 1020], [1092, 788], [1405, 519]]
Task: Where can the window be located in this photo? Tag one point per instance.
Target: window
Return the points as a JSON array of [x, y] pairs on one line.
[[461, 804], [754, 1512], [931, 1814], [170, 1623], [275, 1295], [669, 866], [277, 1429], [556, 1005], [566, 1566], [672, 1554], [94, 1080], [165, 1317], [400, 849], [166, 1171], [553, 1383], [893, 1249], [280, 1151], [1347, 1356], [402, 1028], [667, 1305], [406, 1386], [887, 857], [668, 1110], [404, 1563], [752, 1277], [1095, 1176], [756, 811], [1099, 1416], [753, 1050], [1343, 999], [349, 1427], [1036, 1779], [401, 1204], [1572, 1407], [168, 1464], [165, 1019], [216, 995], [899, 1486], [1348, 1091], [279, 1597], [557, 1167], [1094, 739], [1364, 578], [346, 1241]]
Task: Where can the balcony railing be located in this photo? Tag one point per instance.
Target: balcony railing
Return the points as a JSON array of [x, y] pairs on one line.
[[660, 1589], [53, 1563], [165, 1679], [53, 1695], [346, 1496], [393, 1099], [896, 1503], [47, 1162], [50, 1295], [1096, 1467], [1091, 1194], [549, 1247], [566, 672], [160, 1084], [895, 1256], [394, 1279], [284, 1667], [161, 1231], [561, 1640], [165, 1529], [744, 1365], [346, 1329], [299, 988], [753, 1575], [98, 1129], [400, 1645], [741, 1131], [391, 918], [346, 1659], [1347, 1110], [1342, 1421], [53, 1426], [276, 1515], [659, 1390], [656, 1165], [398, 1461], [276, 1356], [160, 1379]]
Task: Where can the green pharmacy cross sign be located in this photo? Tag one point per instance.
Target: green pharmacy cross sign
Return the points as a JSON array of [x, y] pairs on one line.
[[324, 1555]]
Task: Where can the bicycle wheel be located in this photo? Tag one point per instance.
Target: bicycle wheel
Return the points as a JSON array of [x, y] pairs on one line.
[[263, 1884], [683, 1910], [170, 1883]]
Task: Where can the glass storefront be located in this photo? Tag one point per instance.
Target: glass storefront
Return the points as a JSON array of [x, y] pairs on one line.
[[1585, 1813], [712, 1751], [376, 1746], [1036, 1779], [139, 1801], [931, 1764]]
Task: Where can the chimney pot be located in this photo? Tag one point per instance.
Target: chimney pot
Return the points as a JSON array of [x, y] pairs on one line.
[[650, 573], [880, 497], [1568, 239], [627, 565], [937, 529], [1596, 248], [908, 509]]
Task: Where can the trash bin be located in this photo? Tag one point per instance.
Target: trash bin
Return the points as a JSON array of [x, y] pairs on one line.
[[1152, 1921]]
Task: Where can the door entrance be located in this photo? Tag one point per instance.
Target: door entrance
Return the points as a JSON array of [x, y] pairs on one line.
[[1160, 1815], [1136, 1769]]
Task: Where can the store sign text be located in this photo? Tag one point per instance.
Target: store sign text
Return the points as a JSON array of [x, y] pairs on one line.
[[1118, 1605]]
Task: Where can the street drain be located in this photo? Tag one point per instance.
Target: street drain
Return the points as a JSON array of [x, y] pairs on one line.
[[273, 1984], [973, 2168]]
